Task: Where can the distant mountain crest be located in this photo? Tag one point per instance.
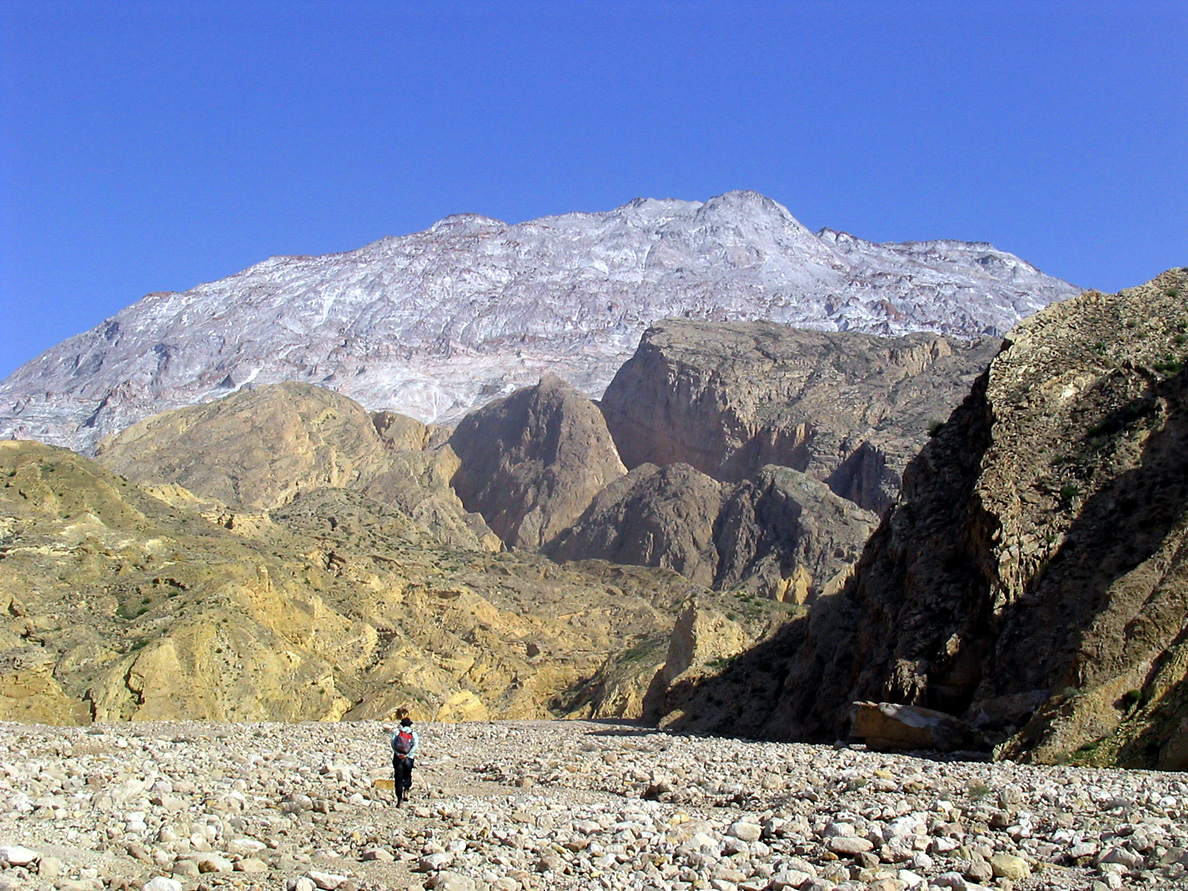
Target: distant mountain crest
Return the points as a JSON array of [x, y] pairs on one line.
[[435, 323]]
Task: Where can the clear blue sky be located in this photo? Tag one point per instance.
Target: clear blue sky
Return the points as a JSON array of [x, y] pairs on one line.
[[148, 146]]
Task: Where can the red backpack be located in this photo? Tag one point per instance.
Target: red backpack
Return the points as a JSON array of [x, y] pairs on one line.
[[402, 742]]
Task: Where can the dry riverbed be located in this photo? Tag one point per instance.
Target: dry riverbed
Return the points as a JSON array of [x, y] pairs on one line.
[[573, 805]]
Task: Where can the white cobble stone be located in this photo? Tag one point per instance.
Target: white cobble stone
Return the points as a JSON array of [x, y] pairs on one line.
[[536, 806]]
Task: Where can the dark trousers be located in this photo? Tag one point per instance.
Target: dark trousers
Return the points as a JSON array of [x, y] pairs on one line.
[[402, 768]]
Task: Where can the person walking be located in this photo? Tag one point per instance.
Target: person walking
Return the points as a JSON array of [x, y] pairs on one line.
[[405, 743]]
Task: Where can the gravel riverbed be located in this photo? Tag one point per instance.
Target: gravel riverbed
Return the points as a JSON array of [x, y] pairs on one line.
[[568, 805]]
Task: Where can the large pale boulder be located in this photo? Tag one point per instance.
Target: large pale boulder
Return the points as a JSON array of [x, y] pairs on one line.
[[891, 726]]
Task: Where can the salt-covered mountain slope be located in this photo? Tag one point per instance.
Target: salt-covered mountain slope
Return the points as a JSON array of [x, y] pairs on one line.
[[433, 324]]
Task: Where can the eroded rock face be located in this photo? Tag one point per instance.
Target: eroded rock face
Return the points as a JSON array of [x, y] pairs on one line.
[[531, 463], [653, 516], [847, 409], [788, 536], [1037, 553]]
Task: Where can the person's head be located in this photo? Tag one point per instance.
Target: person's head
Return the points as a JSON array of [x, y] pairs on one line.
[[406, 722]]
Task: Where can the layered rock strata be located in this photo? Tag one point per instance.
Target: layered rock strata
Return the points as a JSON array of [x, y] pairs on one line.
[[847, 409]]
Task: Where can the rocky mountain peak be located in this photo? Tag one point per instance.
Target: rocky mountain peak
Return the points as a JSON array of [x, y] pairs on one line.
[[435, 323], [748, 205], [461, 225]]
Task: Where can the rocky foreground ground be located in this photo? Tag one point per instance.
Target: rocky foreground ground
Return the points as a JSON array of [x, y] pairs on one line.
[[538, 805]]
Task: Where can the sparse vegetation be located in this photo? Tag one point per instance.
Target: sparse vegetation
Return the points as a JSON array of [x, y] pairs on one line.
[[1169, 366], [979, 791]]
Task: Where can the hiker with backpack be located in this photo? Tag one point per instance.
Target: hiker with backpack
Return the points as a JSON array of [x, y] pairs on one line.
[[405, 743]]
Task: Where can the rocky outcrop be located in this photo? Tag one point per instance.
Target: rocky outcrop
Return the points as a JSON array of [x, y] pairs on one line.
[[254, 450], [531, 463], [847, 409], [1037, 554], [653, 516], [259, 449], [781, 534], [699, 637], [788, 537]]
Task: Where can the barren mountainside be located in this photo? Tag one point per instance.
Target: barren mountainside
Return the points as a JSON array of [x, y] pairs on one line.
[[439, 322], [1031, 579], [284, 554], [120, 603]]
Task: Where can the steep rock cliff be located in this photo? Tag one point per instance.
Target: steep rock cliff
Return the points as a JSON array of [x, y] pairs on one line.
[[1032, 578], [845, 408]]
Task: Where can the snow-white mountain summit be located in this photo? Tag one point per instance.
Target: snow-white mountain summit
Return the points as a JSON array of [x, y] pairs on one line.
[[433, 324]]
